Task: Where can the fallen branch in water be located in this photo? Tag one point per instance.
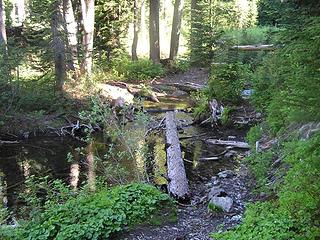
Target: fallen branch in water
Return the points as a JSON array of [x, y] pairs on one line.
[[214, 158], [2, 142], [235, 144]]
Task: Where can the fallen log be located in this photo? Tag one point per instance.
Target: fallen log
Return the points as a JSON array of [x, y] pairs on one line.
[[262, 47], [178, 184], [186, 86], [235, 144], [117, 96]]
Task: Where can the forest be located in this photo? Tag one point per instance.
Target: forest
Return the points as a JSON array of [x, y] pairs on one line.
[[160, 119]]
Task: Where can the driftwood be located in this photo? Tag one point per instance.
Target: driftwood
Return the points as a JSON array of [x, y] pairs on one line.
[[266, 47], [235, 144], [178, 184], [216, 110]]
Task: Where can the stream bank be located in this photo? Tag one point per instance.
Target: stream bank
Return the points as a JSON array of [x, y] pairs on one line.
[[48, 156]]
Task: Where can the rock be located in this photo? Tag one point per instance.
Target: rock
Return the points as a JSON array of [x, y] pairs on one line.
[[225, 174], [236, 218], [216, 192], [117, 96], [179, 93], [230, 154], [308, 130], [225, 203], [215, 181]]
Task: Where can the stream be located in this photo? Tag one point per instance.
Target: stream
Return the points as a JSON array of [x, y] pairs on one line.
[[60, 158]]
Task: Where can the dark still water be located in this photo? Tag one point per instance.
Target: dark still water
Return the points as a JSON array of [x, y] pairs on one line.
[[40, 157]]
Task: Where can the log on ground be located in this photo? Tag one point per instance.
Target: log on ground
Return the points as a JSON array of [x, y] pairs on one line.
[[178, 184], [265, 47], [235, 144]]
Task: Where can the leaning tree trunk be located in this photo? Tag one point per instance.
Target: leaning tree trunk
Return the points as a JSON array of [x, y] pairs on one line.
[[176, 27], [154, 31], [72, 30], [87, 7], [136, 29], [58, 45], [178, 184]]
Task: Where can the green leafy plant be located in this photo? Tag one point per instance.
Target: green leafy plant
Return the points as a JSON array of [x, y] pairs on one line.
[[254, 135], [263, 221], [98, 215], [214, 208], [227, 81], [140, 70], [259, 164]]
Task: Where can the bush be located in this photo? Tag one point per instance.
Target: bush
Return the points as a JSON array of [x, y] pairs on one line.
[[254, 134], [227, 81], [99, 215], [300, 193], [140, 70], [262, 221], [295, 215], [286, 84], [259, 164]]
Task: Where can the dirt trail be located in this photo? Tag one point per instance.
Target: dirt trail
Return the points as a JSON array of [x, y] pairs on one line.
[[194, 75], [195, 222]]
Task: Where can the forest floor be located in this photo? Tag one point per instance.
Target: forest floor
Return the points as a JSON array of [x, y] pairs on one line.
[[194, 75], [194, 220]]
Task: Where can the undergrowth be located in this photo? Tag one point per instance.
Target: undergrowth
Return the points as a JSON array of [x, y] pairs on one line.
[[94, 215]]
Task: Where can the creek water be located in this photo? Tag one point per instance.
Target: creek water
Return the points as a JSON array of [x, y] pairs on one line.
[[74, 161]]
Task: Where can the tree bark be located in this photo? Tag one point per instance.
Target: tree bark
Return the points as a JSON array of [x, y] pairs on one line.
[[194, 12], [178, 184], [3, 34], [58, 44], [176, 28], [87, 7], [136, 30], [72, 31], [154, 31]]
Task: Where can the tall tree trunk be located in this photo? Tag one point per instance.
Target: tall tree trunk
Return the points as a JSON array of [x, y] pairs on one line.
[[176, 27], [136, 30], [154, 31], [58, 44], [72, 30], [87, 7], [193, 31], [3, 34]]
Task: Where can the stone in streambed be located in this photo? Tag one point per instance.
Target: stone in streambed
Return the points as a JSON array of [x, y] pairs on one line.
[[225, 174], [225, 203]]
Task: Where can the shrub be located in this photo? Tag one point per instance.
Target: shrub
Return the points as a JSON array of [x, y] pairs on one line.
[[227, 81], [300, 193], [99, 215], [261, 221], [295, 215], [140, 70], [259, 164], [254, 134]]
